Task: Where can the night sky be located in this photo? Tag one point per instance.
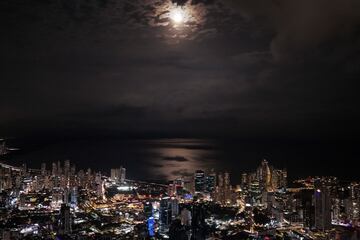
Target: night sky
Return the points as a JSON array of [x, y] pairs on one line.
[[281, 76]]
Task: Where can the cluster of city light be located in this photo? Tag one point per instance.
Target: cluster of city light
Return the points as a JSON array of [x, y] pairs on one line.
[[125, 188], [130, 201]]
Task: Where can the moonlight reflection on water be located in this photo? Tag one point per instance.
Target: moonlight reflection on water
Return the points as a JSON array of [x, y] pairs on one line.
[[168, 159], [159, 160], [178, 158]]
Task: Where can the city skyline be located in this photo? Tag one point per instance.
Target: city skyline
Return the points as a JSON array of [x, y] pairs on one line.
[[311, 208], [163, 159]]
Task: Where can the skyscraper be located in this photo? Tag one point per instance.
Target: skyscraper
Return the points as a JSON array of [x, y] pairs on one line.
[[198, 222], [43, 169], [66, 195], [322, 205], [220, 193], [54, 169], [244, 180], [227, 188], [185, 217], [174, 208], [74, 197], [283, 181], [308, 214], [210, 183], [148, 209], [165, 214], [100, 189], [73, 170], [199, 181], [118, 174], [115, 174], [122, 174], [59, 170], [67, 168], [65, 219], [264, 175]]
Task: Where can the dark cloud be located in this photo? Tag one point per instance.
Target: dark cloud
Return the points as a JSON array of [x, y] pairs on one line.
[[203, 1], [270, 68], [302, 25], [180, 2], [176, 159], [182, 173], [155, 165]]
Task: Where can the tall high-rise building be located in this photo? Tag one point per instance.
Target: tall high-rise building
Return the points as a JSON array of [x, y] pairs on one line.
[[43, 169], [174, 208], [165, 214], [210, 182], [308, 211], [65, 219], [24, 169], [74, 197], [148, 209], [99, 184], [3, 148], [115, 174], [59, 170], [89, 178], [122, 174], [283, 181], [220, 194], [88, 175], [227, 188], [220, 180], [322, 205], [73, 170], [268, 177], [118, 174], [54, 169], [278, 179], [226, 179], [198, 222], [67, 168], [66, 195], [176, 188], [224, 193], [185, 217], [254, 193], [264, 175], [244, 180], [6, 176], [81, 178], [199, 181], [352, 203]]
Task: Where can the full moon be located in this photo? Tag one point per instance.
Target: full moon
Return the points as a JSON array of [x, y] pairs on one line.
[[177, 15]]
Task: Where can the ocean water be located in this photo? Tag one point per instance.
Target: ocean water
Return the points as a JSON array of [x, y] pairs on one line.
[[167, 159]]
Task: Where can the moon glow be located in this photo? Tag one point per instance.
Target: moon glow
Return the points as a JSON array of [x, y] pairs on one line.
[[178, 15]]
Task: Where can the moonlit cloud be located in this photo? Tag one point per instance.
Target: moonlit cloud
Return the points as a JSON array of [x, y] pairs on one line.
[[245, 69]]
